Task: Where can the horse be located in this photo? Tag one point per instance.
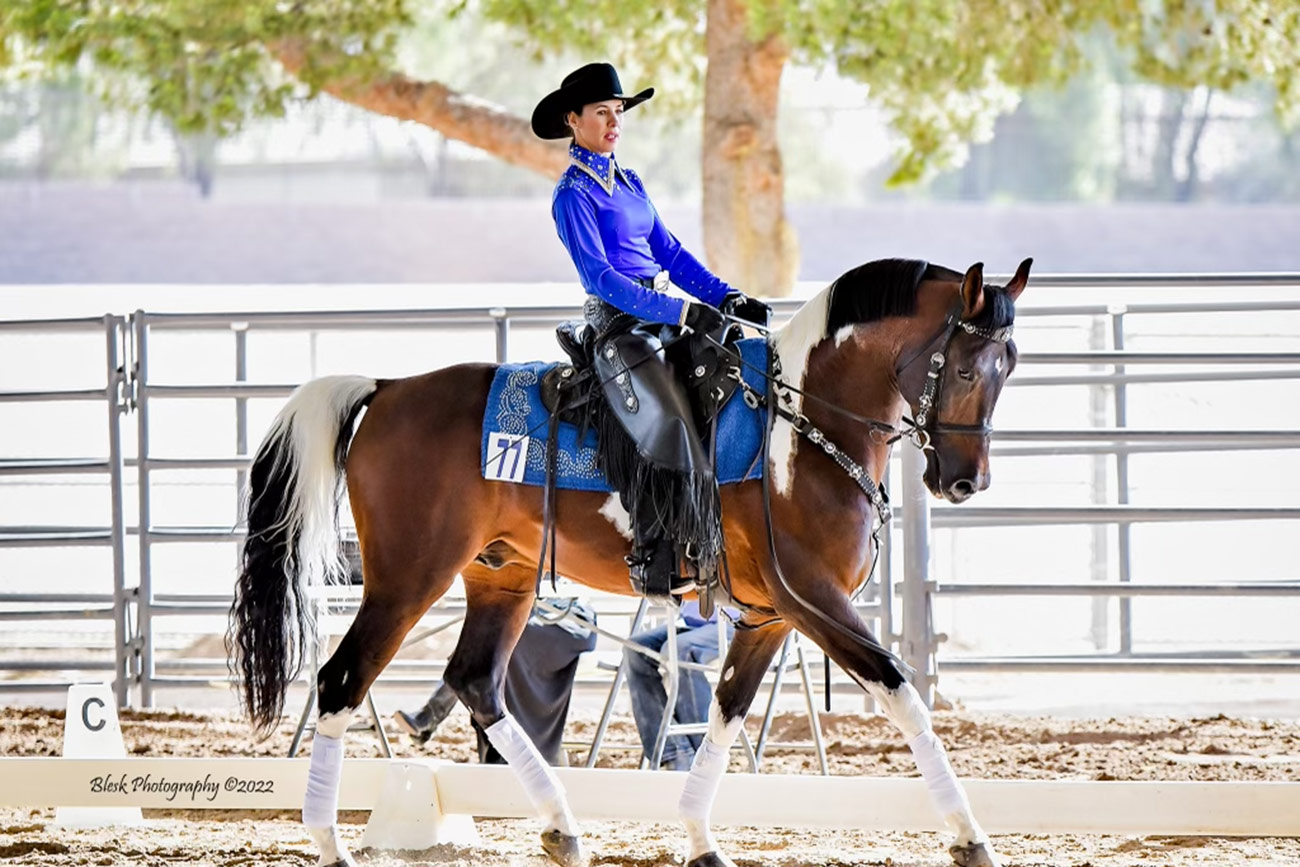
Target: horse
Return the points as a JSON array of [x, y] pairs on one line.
[[884, 338]]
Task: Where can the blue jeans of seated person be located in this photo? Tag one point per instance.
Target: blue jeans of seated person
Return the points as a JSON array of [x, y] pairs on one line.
[[649, 697]]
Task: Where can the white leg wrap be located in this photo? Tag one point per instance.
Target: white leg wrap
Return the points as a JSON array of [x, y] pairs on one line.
[[541, 784], [905, 709], [940, 781], [321, 805], [702, 783]]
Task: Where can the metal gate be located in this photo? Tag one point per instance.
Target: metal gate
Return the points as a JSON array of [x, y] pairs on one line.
[[138, 385]]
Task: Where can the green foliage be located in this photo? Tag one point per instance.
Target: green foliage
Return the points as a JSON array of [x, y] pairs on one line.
[[944, 68], [205, 65], [654, 41]]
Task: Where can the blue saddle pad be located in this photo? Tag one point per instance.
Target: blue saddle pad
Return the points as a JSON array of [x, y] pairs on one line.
[[515, 429]]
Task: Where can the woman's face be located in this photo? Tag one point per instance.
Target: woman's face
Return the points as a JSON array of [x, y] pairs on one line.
[[598, 126]]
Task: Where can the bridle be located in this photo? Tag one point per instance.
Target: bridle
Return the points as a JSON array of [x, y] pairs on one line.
[[926, 424], [919, 430]]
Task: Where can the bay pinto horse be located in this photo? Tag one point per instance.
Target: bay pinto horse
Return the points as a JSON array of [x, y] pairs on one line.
[[868, 345]]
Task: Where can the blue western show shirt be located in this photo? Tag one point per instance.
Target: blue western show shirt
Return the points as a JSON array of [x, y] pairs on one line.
[[613, 233]]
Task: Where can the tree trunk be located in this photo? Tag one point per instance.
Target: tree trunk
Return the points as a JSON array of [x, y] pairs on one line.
[[746, 237], [1173, 110], [465, 118], [1188, 187]]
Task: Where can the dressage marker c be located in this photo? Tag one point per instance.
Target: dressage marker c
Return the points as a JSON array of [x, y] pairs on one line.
[[1245, 809]]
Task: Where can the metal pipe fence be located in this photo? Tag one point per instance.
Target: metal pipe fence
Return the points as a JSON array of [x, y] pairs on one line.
[[133, 386], [119, 602]]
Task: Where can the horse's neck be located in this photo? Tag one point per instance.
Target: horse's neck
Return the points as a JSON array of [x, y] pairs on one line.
[[853, 369], [855, 372]]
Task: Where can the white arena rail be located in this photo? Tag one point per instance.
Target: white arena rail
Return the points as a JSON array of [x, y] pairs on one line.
[[1250, 809]]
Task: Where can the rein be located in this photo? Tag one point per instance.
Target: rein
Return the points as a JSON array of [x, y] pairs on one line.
[[919, 431]]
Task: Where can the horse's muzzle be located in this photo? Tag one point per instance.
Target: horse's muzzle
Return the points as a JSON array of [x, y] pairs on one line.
[[960, 491]]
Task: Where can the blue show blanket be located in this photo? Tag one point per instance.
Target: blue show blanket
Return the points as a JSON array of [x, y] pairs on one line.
[[515, 429]]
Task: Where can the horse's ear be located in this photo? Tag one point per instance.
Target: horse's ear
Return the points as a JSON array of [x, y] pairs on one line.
[[972, 291], [1018, 282]]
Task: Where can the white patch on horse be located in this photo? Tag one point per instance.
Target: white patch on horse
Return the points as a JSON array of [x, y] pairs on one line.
[[615, 513], [845, 332], [794, 343], [332, 850], [335, 725], [723, 731]]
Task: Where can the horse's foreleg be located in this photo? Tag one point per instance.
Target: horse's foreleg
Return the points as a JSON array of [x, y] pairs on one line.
[[498, 606], [904, 708], [900, 702], [747, 660]]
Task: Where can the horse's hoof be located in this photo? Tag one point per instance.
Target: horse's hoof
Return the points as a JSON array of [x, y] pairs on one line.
[[563, 849], [974, 855], [711, 859]]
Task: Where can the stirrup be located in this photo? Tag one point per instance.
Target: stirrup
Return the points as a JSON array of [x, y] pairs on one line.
[[652, 568]]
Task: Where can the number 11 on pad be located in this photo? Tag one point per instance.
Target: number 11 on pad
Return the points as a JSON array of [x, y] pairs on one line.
[[507, 457]]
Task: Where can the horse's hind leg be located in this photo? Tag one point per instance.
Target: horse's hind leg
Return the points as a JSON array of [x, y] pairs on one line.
[[747, 660], [881, 678], [390, 607], [498, 604]]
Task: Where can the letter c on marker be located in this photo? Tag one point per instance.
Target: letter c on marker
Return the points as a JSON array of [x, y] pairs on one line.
[[85, 714]]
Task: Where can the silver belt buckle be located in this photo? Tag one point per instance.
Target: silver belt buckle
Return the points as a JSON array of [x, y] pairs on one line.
[[660, 281]]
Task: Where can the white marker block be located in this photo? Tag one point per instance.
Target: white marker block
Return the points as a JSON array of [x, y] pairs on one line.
[[91, 731], [408, 814]]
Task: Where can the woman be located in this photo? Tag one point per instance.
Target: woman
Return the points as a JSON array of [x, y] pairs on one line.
[[625, 257]]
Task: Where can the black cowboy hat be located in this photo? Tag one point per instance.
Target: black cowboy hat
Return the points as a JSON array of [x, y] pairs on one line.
[[595, 82]]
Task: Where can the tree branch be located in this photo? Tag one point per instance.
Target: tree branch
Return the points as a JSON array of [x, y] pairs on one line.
[[456, 115]]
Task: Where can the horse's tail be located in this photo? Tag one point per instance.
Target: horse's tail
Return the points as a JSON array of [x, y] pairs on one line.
[[294, 486]]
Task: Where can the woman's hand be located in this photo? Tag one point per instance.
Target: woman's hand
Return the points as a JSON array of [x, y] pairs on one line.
[[702, 317], [741, 306]]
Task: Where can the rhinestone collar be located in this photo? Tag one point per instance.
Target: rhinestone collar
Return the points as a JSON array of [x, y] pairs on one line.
[[602, 168]]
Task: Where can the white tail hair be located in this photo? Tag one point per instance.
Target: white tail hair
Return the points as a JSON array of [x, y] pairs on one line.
[[309, 427]]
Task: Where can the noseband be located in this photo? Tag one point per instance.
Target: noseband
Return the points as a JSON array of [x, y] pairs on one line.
[[927, 423]]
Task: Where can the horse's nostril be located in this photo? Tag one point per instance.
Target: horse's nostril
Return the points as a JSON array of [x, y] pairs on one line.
[[962, 488]]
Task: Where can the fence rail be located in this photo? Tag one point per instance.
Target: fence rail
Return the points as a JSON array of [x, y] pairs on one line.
[[113, 396], [131, 388]]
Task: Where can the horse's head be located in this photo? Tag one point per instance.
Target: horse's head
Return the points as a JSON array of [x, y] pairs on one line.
[[956, 379]]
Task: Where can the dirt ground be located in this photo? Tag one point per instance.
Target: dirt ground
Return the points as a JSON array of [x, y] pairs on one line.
[[990, 746]]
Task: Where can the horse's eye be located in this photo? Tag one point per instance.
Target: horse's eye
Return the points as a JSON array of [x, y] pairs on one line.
[[966, 373]]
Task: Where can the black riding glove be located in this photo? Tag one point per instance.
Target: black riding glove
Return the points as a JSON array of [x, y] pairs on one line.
[[741, 306], [702, 317]]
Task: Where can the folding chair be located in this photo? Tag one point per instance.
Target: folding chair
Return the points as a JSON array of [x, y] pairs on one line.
[[674, 666], [814, 716]]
